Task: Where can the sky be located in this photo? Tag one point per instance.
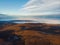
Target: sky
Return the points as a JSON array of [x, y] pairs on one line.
[[30, 7], [11, 7], [37, 8]]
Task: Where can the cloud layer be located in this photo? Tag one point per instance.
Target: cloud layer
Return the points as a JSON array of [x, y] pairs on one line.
[[41, 7], [40, 20]]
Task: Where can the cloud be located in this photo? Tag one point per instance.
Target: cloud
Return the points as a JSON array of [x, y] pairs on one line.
[[41, 7], [50, 21], [40, 20]]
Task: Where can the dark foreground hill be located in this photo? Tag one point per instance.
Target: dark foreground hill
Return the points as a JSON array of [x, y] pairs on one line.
[[30, 34]]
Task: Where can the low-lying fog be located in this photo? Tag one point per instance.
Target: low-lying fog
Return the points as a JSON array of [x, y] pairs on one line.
[[34, 20]]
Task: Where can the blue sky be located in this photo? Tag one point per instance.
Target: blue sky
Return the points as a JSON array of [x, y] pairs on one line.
[[30, 7], [11, 6]]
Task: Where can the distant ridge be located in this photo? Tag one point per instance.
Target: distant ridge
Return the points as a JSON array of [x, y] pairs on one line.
[[49, 16], [4, 17]]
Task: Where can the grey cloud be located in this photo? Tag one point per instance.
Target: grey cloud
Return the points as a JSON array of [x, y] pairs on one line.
[[34, 6]]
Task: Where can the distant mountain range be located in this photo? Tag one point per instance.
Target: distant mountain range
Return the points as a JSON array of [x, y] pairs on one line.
[[49, 17], [5, 17], [2, 16]]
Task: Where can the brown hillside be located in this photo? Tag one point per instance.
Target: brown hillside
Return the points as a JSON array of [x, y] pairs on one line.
[[30, 34]]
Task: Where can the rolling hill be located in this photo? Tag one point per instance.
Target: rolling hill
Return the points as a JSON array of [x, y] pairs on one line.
[[30, 34]]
